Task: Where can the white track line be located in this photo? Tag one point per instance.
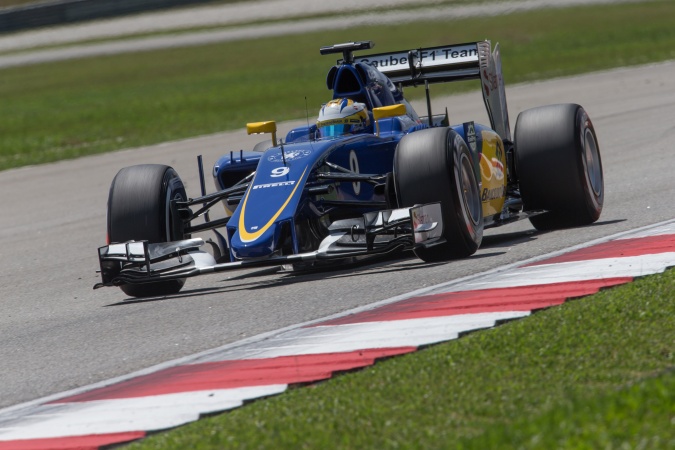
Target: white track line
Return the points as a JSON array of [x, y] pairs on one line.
[[144, 412]]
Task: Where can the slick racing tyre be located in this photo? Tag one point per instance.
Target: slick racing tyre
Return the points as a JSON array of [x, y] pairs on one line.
[[139, 209], [559, 166], [435, 165]]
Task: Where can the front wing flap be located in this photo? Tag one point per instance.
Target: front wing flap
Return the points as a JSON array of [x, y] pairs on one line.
[[375, 233]]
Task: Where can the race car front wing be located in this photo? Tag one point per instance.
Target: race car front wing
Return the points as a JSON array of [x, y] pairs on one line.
[[375, 233]]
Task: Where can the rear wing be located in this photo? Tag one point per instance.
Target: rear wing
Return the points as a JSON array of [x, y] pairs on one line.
[[447, 63]]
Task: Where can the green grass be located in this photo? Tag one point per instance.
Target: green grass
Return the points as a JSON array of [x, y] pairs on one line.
[[222, 27], [593, 373], [80, 107], [639, 416]]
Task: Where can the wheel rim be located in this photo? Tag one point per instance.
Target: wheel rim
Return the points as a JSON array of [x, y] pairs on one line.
[[170, 235], [592, 163], [469, 189]]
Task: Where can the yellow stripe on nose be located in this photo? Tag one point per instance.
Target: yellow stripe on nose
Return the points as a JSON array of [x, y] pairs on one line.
[[244, 235]]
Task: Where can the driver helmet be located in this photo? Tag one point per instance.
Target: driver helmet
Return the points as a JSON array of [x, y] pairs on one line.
[[342, 116]]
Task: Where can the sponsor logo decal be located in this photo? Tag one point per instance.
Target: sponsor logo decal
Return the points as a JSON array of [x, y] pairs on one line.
[[290, 155], [392, 60], [490, 81], [426, 58], [273, 185], [420, 219], [493, 194], [485, 168], [341, 121], [497, 169], [492, 167], [471, 137]]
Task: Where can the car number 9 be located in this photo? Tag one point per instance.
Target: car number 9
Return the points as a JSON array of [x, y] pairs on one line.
[[280, 171]]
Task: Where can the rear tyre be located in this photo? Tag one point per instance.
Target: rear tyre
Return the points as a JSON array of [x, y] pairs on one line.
[[559, 166], [139, 208], [435, 165]]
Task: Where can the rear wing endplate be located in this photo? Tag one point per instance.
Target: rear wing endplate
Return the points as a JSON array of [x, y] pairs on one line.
[[450, 63]]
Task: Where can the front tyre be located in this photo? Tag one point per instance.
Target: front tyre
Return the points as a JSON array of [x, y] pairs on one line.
[[139, 208], [435, 165], [559, 166]]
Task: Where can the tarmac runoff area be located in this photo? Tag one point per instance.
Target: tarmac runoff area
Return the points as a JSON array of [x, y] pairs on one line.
[[240, 19], [128, 409]]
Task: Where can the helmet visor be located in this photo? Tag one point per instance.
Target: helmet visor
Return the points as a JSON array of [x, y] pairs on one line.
[[336, 130]]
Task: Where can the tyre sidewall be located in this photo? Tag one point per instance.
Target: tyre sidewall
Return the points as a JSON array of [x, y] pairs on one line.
[[461, 156], [427, 169], [139, 208], [552, 167], [594, 198]]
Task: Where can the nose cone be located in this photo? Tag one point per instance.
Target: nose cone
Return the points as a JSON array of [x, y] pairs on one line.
[[270, 202], [261, 247]]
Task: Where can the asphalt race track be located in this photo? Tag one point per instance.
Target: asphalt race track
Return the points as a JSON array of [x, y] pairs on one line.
[[58, 334]]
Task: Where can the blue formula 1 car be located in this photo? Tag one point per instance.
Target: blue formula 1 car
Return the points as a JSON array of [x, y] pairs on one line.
[[368, 178]]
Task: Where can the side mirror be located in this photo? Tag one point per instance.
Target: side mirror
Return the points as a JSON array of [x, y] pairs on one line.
[[387, 111], [262, 128]]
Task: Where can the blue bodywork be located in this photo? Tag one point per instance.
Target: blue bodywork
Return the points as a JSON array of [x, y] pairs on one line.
[[292, 200]]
